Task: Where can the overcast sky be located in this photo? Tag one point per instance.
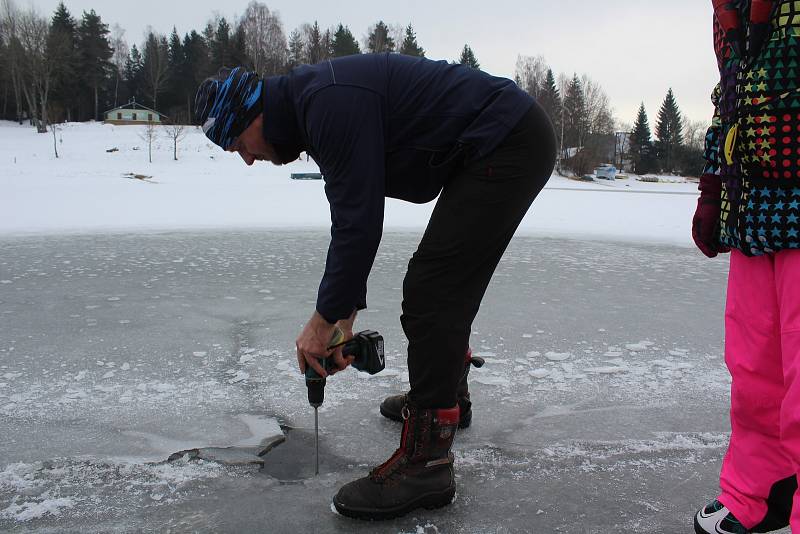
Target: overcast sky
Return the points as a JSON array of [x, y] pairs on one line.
[[636, 49]]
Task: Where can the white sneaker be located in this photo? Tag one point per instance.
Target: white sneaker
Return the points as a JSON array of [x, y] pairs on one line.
[[717, 519]]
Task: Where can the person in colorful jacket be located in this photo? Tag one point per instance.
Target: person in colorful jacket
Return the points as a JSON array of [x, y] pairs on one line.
[[387, 125], [749, 206]]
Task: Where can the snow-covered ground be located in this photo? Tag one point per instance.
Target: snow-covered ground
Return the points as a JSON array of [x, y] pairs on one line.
[[86, 190]]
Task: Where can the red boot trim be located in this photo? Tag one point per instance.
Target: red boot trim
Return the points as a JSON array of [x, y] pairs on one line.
[[447, 416]]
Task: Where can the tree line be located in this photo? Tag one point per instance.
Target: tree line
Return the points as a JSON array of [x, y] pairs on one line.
[[588, 134], [73, 69], [678, 144]]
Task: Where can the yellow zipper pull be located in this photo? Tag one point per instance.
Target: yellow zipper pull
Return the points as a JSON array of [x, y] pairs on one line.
[[730, 143]]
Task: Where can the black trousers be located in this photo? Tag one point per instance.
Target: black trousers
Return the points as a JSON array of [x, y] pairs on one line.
[[475, 217]]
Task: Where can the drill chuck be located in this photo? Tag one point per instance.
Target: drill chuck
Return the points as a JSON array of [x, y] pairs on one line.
[[316, 390]]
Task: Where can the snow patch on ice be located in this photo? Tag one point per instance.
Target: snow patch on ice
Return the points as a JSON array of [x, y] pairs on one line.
[[247, 358], [260, 428], [639, 347], [607, 370], [59, 487], [665, 441], [240, 376], [35, 510], [489, 380]]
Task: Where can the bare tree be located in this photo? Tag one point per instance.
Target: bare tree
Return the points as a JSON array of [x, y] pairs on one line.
[[33, 31], [315, 50], [397, 32], [598, 109], [297, 49], [9, 17], [694, 134], [530, 74], [55, 141], [25, 36], [176, 131], [121, 55], [148, 135], [265, 41], [588, 125], [156, 65], [379, 38], [327, 42]]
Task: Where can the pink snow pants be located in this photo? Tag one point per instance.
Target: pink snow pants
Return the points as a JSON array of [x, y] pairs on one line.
[[762, 352]]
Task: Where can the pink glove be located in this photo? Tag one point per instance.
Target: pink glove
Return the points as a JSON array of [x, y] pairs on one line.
[[705, 224]]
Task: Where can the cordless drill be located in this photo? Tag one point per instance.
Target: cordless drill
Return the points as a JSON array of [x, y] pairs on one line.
[[366, 347]]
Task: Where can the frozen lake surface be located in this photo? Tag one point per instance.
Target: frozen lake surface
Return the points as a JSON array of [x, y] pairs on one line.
[[602, 406]]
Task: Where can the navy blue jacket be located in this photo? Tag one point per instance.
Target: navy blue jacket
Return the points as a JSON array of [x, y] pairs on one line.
[[383, 125]]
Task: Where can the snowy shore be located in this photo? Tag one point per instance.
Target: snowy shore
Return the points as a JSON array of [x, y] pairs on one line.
[[87, 190]]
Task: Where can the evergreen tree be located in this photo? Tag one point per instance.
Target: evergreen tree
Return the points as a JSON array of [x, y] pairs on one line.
[[641, 144], [315, 49], [210, 35], [576, 120], [669, 131], [134, 74], [379, 40], [410, 47], [176, 55], [155, 64], [344, 44], [221, 46], [297, 53], [327, 43], [468, 58], [239, 56], [550, 100], [94, 53], [198, 67], [61, 50], [178, 81]]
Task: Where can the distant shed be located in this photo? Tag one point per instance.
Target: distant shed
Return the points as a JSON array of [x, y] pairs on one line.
[[133, 113]]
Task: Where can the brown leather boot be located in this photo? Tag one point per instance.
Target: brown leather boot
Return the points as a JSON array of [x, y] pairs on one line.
[[418, 475], [392, 406]]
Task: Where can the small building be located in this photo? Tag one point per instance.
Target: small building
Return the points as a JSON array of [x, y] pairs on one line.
[[133, 113]]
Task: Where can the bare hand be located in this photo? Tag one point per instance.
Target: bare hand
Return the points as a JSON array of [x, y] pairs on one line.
[[312, 344], [346, 326]]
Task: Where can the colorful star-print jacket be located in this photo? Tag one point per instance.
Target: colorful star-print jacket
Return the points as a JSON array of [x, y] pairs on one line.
[[753, 143]]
